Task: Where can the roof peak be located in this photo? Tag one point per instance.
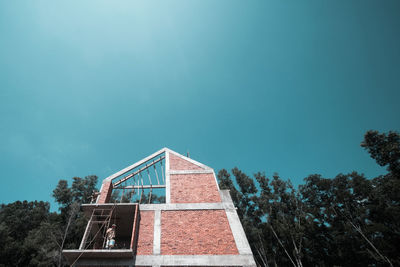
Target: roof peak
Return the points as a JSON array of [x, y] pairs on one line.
[[164, 150]]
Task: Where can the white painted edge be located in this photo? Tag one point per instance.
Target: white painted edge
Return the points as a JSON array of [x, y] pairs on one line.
[[236, 226], [238, 233], [216, 181]]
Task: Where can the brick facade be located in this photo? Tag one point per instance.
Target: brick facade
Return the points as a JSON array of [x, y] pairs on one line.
[[194, 188], [197, 226], [145, 237], [177, 163], [196, 232]]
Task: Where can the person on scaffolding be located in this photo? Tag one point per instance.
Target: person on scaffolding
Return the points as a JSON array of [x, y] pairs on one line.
[[93, 196], [110, 235]]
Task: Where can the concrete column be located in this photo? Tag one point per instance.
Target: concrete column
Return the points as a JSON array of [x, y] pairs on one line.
[[167, 180], [157, 233]]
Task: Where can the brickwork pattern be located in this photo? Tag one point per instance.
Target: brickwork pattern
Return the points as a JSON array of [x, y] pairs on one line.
[[194, 188], [146, 235], [105, 194], [177, 163], [196, 232]]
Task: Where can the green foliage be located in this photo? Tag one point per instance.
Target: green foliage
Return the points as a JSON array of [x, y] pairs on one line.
[[37, 243], [79, 192], [82, 189], [31, 235], [270, 210], [20, 221], [72, 222], [385, 149], [384, 200], [334, 205], [348, 220]]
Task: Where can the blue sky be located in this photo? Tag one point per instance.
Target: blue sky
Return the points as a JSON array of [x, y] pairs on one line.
[[90, 87]]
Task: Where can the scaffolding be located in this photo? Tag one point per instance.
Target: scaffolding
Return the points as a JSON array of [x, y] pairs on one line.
[[96, 228], [124, 216]]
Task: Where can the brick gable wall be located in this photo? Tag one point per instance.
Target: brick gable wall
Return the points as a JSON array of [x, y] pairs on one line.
[[177, 163]]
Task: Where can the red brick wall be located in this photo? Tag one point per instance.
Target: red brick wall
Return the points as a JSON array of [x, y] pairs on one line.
[[196, 232], [177, 163], [146, 235], [105, 193], [194, 188]]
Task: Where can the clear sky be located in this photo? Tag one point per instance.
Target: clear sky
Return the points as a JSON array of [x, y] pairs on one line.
[[90, 87]]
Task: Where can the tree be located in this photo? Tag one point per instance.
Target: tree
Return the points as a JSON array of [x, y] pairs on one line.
[[347, 220], [335, 205], [18, 223], [79, 192], [384, 202], [385, 149], [272, 217], [71, 226]]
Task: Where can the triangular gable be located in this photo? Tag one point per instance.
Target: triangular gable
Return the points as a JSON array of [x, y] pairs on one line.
[[179, 162], [131, 167]]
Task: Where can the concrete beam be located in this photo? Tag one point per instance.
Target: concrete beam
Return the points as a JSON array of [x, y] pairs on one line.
[[183, 206], [190, 171], [175, 260]]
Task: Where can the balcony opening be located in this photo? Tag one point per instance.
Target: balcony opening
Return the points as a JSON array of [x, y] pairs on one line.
[[102, 217]]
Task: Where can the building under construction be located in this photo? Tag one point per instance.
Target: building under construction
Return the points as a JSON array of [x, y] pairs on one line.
[[168, 211]]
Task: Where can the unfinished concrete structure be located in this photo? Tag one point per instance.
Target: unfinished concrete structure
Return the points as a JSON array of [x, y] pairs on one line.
[[196, 226]]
